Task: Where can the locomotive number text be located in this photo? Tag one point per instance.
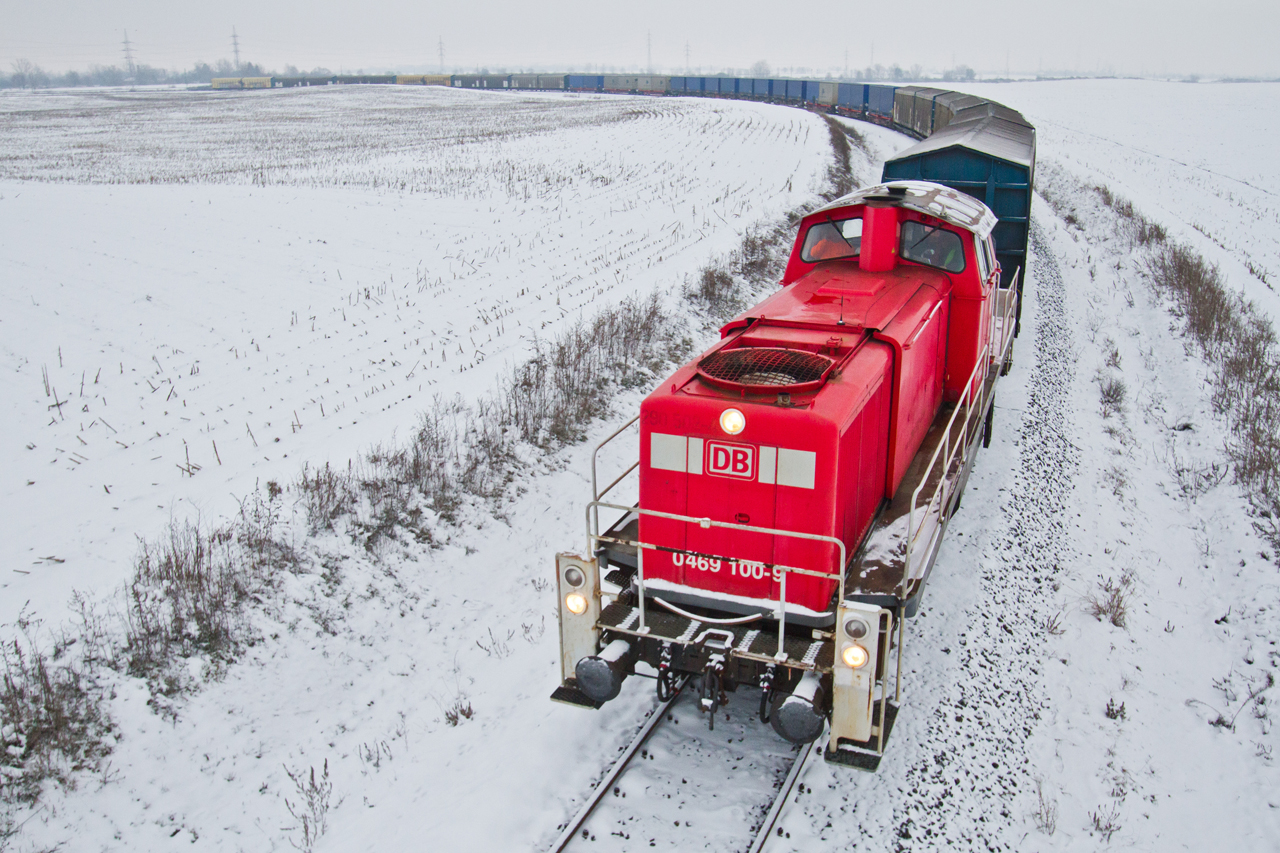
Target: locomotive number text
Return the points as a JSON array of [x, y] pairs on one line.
[[737, 568]]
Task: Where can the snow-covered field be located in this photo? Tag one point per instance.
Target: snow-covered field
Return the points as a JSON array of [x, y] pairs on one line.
[[234, 285], [1198, 157], [219, 287]]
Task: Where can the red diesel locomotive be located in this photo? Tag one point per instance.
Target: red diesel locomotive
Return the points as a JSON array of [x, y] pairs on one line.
[[797, 478]]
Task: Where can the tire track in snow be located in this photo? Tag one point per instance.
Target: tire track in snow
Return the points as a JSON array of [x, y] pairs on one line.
[[974, 767]]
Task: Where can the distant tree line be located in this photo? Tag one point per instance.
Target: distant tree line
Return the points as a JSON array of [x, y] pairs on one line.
[[26, 74]]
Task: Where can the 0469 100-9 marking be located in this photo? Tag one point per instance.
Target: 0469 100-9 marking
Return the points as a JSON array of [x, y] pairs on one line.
[[737, 568]]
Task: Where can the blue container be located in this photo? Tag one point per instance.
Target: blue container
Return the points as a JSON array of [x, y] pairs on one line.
[[795, 90], [586, 82], [880, 100], [852, 96]]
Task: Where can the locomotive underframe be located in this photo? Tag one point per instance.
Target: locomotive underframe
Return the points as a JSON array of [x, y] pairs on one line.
[[769, 649]]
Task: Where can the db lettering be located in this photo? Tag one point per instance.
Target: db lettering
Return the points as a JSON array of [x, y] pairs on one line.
[[731, 460]]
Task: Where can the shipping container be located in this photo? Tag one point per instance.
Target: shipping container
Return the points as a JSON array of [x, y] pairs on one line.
[[585, 82], [811, 91], [880, 100], [290, 82], [550, 81], [524, 81], [852, 97], [480, 81], [827, 93], [353, 79], [795, 90]]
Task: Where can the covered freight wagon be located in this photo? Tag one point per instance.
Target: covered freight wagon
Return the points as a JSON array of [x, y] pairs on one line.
[[480, 81], [990, 158]]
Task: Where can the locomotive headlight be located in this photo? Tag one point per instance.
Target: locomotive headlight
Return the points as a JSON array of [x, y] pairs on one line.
[[574, 577], [576, 603], [854, 656], [732, 421]]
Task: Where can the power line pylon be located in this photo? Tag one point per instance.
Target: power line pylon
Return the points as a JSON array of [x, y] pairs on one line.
[[235, 47], [441, 49], [128, 56]]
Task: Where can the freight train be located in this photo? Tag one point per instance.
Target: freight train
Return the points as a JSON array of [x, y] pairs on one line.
[[796, 480]]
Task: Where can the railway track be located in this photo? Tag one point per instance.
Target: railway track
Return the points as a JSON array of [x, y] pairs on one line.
[[680, 784]]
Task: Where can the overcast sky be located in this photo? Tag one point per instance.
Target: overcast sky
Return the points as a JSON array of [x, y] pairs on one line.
[[1155, 37]]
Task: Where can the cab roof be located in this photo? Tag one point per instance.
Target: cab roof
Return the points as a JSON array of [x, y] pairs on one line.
[[949, 205]]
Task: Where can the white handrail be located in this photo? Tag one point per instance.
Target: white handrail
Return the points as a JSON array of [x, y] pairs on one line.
[[994, 358], [593, 537], [596, 494]]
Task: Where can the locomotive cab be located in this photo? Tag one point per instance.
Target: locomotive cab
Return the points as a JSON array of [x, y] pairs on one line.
[[796, 478]]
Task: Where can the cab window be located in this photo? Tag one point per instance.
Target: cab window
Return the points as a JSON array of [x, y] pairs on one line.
[[932, 246], [827, 241]]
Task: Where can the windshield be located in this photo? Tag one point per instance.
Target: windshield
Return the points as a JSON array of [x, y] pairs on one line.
[[931, 246], [827, 241]]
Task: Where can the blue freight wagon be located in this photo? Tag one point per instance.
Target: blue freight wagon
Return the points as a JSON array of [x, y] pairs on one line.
[[990, 157], [586, 82]]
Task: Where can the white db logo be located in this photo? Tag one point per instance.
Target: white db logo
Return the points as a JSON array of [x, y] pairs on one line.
[[731, 460]]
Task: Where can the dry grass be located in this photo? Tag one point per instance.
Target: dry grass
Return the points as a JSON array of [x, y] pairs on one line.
[[51, 720], [840, 172], [1112, 393], [1046, 811], [1238, 343], [1110, 601]]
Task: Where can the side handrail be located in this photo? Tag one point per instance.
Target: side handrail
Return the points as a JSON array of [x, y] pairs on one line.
[[596, 493], [593, 537], [956, 445]]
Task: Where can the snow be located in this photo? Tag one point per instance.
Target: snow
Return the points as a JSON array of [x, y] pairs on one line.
[[364, 659], [407, 243], [1198, 157]]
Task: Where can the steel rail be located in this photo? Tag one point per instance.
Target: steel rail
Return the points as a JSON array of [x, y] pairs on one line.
[[571, 830], [574, 826], [775, 811]]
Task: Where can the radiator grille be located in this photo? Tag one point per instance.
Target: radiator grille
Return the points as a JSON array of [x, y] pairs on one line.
[[764, 368]]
